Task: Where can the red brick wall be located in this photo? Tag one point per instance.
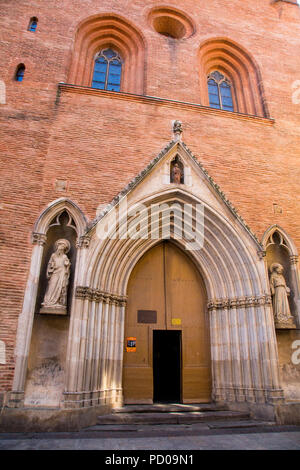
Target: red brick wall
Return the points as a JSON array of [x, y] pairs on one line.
[[98, 143]]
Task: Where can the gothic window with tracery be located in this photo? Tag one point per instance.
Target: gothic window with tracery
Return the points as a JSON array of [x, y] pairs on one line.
[[107, 71], [219, 91]]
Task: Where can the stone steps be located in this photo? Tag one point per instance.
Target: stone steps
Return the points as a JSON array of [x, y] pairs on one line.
[[170, 414], [167, 408]]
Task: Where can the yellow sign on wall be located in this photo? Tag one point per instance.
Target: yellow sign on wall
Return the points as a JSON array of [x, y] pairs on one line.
[[130, 344], [176, 321]]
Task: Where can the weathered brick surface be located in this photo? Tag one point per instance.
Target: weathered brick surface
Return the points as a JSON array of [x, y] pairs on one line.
[[98, 143]]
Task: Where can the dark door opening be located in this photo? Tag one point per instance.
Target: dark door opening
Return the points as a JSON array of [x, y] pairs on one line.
[[167, 366]]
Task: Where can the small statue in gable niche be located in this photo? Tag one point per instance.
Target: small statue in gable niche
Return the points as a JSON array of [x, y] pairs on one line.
[[280, 292], [58, 273], [176, 172]]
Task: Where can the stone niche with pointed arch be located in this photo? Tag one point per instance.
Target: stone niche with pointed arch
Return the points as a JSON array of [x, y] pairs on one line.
[[279, 249], [47, 355], [237, 65], [109, 31], [62, 226]]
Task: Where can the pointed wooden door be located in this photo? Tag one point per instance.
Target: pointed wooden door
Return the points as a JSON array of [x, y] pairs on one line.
[[166, 292]]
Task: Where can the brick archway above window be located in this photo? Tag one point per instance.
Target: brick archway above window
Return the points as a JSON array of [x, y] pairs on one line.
[[236, 64], [109, 31]]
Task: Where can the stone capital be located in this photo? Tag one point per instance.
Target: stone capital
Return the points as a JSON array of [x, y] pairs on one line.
[[262, 254], [38, 238], [83, 241], [294, 259], [97, 295], [239, 302]]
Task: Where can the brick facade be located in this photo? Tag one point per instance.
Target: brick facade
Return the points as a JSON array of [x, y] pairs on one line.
[[97, 141]]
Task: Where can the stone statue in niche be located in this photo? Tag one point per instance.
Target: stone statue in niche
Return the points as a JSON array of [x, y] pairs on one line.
[[58, 273], [176, 172], [280, 292]]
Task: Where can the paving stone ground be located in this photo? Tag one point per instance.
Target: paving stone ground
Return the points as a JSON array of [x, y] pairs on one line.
[[197, 437]]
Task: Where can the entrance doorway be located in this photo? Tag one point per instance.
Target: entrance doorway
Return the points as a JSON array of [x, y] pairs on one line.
[[166, 366], [166, 317]]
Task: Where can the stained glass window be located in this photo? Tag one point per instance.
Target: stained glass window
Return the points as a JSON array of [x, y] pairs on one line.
[[107, 71], [219, 91]]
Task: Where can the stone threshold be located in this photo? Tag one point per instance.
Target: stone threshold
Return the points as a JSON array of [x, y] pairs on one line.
[[170, 407]]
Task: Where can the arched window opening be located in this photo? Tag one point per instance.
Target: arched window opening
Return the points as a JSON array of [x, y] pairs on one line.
[[107, 71], [20, 73], [242, 89], [103, 32], [219, 91], [33, 24]]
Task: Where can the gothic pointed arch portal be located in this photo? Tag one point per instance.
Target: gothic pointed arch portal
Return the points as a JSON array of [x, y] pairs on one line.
[[244, 361], [167, 316]]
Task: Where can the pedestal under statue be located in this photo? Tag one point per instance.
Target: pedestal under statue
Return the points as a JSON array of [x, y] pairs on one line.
[[280, 291], [58, 273]]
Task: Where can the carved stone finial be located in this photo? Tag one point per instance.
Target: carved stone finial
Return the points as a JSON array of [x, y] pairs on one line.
[[177, 130]]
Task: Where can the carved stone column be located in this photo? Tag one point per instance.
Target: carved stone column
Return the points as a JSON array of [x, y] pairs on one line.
[[118, 354], [216, 353], [72, 398], [295, 274], [236, 353], [244, 388], [274, 393], [244, 354], [97, 350]]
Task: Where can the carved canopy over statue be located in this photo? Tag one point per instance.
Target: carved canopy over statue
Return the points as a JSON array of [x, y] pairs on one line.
[[280, 292], [58, 273]]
